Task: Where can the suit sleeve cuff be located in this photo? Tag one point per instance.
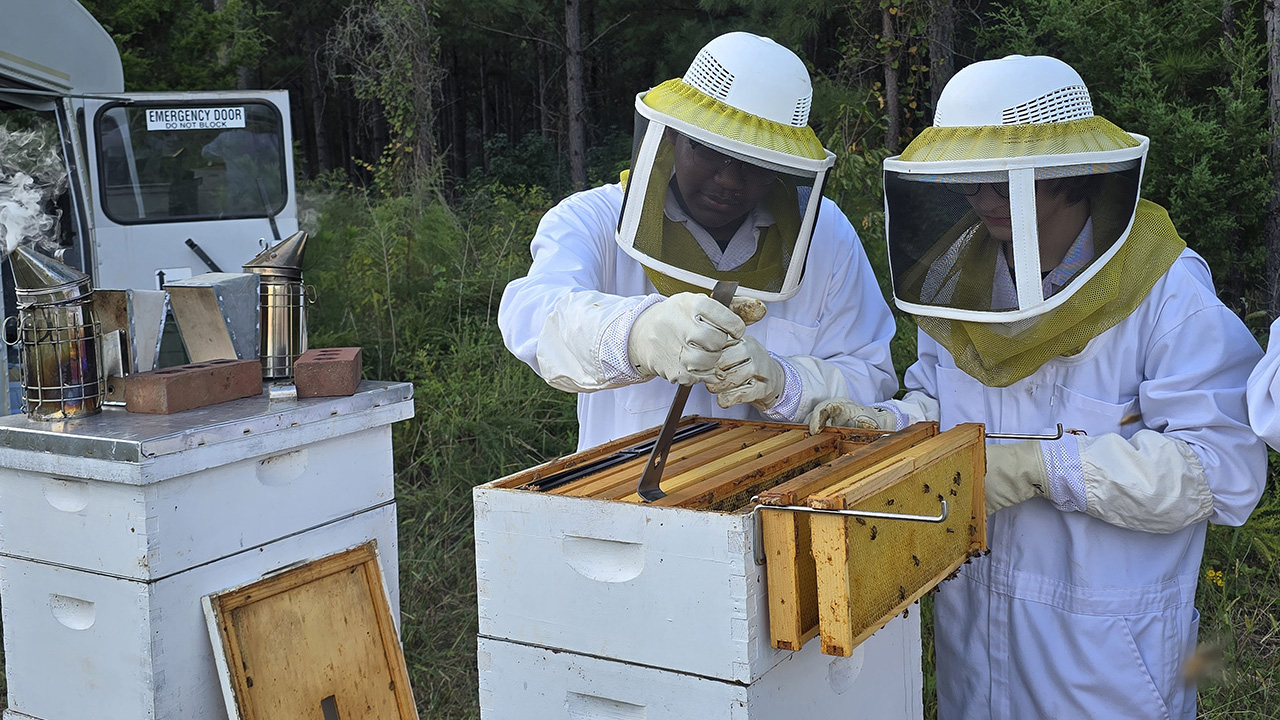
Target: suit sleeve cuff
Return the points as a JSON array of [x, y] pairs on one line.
[[788, 405], [1066, 473], [615, 360], [900, 418]]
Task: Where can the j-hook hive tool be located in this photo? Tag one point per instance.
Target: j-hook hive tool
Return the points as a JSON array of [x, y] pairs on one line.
[[648, 488]]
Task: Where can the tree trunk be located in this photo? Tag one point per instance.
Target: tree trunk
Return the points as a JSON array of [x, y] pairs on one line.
[[544, 113], [1271, 229], [1232, 291], [942, 34], [348, 108], [485, 126], [315, 92], [458, 117], [892, 111], [1228, 23], [575, 96], [513, 117]]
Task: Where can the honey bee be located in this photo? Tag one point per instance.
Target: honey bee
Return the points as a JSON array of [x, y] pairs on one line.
[[1205, 663]]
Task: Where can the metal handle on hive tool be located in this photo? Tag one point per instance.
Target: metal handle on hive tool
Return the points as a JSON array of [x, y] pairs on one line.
[[758, 520], [1031, 436], [648, 488]]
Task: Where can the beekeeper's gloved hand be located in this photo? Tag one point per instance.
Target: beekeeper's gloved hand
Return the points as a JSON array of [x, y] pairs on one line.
[[1015, 473], [747, 373], [681, 337], [846, 413]]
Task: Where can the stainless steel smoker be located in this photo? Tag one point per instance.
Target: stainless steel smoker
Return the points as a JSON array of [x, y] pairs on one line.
[[283, 305], [59, 337]]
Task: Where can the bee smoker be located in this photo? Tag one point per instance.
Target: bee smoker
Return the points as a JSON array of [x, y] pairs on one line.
[[59, 338], [282, 304]]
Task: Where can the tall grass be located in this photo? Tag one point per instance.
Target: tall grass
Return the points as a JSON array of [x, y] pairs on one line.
[[417, 285]]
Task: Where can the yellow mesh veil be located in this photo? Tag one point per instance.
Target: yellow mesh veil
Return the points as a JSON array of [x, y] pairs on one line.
[[1000, 354], [682, 101], [1091, 134]]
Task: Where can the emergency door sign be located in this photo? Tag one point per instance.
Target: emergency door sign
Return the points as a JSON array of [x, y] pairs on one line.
[[195, 118]]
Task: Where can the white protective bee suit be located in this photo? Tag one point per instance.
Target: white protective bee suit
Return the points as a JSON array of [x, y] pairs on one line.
[[1073, 616], [834, 332], [1084, 606], [1264, 392]]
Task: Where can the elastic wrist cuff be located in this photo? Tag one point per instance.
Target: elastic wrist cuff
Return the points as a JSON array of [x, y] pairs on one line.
[[1066, 473], [788, 404], [615, 358], [900, 418]]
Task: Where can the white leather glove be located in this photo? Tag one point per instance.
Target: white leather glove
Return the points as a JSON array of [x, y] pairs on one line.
[[680, 338], [747, 373], [1015, 473], [846, 413]]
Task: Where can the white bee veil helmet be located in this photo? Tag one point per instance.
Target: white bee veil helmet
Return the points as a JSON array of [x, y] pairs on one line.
[[961, 200], [741, 109]]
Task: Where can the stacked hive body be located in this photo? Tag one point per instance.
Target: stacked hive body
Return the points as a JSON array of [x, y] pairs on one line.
[[597, 603], [113, 528]]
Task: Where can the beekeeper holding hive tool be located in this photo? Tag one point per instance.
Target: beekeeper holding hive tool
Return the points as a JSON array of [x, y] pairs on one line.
[[1046, 291], [725, 185]]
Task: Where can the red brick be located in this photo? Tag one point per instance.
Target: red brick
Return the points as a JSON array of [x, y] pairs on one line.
[[326, 372], [183, 387]]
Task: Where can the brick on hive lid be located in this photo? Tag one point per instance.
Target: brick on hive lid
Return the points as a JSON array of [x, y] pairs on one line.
[[326, 372], [185, 387]]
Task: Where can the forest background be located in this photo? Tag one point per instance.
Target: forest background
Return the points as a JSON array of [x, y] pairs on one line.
[[431, 135]]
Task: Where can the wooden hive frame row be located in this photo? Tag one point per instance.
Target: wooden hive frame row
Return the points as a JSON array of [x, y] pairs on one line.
[[844, 576], [720, 468]]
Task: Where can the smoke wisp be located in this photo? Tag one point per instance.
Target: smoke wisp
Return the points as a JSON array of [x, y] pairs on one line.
[[32, 176]]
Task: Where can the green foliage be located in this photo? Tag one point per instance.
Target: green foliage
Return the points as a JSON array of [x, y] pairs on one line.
[[416, 284], [533, 161], [389, 50], [182, 45], [1238, 613]]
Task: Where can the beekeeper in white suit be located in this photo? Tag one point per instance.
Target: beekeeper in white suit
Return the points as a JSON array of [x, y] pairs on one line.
[[1264, 392], [1047, 292], [725, 184]]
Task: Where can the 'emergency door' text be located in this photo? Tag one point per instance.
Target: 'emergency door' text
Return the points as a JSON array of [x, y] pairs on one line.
[[195, 118]]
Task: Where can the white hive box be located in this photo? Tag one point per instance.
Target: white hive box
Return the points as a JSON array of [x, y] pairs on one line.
[[667, 588], [81, 645], [522, 682], [605, 608], [113, 527]]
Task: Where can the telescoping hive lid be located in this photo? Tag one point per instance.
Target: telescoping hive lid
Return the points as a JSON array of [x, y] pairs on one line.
[[283, 260]]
